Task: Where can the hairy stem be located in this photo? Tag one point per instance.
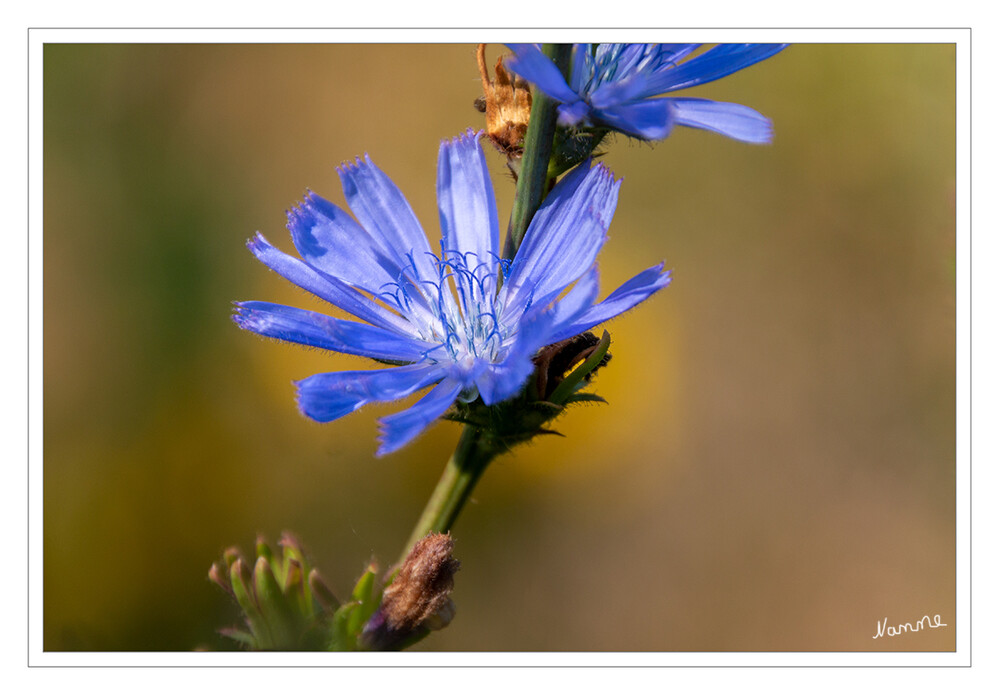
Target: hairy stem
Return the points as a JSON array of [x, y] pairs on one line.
[[462, 472], [533, 183]]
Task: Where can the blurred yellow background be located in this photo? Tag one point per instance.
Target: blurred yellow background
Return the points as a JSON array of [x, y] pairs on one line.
[[775, 470]]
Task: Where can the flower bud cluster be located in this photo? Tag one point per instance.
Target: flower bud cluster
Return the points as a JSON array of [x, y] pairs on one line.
[[285, 602]]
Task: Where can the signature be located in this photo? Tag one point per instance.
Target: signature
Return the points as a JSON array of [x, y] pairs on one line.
[[884, 629]]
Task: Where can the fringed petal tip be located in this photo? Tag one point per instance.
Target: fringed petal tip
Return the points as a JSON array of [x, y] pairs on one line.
[[300, 215], [348, 167], [239, 315], [601, 169], [397, 430], [655, 277], [386, 443], [734, 121], [305, 405], [321, 405], [467, 139], [393, 435], [258, 244], [247, 316]]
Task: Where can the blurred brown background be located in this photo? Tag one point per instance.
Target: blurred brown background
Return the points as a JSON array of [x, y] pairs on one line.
[[775, 470]]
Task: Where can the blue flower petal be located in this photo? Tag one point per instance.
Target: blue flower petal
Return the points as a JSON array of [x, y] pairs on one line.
[[576, 301], [327, 287], [715, 63], [733, 120], [581, 70], [674, 52], [326, 397], [534, 66], [329, 239], [636, 290], [469, 222], [575, 115], [564, 237], [380, 207], [506, 379], [648, 119], [328, 333], [401, 428], [623, 73]]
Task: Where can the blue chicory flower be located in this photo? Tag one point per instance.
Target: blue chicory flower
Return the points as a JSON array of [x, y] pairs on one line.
[[446, 320], [611, 85]]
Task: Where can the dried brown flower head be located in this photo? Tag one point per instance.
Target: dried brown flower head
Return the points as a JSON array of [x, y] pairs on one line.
[[507, 105], [420, 592]]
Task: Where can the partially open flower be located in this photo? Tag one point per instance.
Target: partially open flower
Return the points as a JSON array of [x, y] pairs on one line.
[[617, 86]]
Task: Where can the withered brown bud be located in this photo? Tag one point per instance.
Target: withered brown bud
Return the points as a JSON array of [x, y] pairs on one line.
[[506, 101], [422, 587], [418, 598], [554, 361]]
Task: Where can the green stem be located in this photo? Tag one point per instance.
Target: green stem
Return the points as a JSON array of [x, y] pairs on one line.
[[534, 183], [462, 472]]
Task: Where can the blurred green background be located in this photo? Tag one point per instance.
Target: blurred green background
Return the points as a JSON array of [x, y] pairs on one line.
[[775, 470]]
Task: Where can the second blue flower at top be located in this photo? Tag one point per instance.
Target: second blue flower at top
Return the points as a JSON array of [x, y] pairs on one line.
[[616, 86]]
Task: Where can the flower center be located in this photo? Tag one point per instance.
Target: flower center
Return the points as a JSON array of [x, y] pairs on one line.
[[468, 307], [459, 310]]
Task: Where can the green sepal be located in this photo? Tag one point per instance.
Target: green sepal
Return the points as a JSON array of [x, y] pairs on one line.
[[242, 587], [585, 398], [350, 618], [285, 603], [412, 639], [572, 147], [554, 432], [367, 594], [341, 639], [264, 550], [294, 588], [275, 606], [575, 378], [323, 596], [230, 555], [241, 636]]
